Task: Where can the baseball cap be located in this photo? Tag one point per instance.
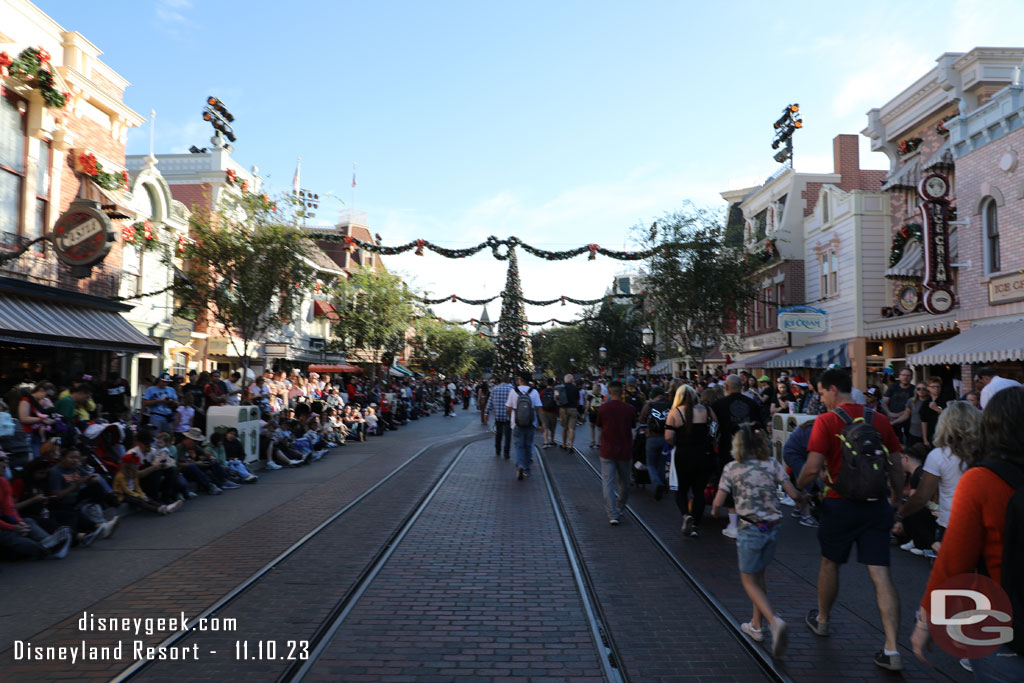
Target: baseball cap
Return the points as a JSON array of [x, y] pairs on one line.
[[164, 377], [872, 391], [764, 378]]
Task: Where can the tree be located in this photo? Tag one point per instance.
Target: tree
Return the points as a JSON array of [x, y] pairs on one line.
[[374, 311], [616, 327], [696, 287], [246, 270], [561, 349], [512, 352], [446, 347]]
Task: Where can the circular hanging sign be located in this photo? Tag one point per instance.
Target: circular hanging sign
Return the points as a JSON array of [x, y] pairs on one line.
[[938, 301], [907, 299], [82, 236]]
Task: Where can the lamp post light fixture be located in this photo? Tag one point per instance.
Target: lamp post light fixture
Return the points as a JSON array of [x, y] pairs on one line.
[[648, 335], [602, 352]]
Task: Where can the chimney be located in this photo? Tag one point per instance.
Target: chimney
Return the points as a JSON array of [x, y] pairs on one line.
[[846, 159]]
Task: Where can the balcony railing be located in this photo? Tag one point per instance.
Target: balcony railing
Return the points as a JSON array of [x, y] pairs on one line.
[[40, 265]]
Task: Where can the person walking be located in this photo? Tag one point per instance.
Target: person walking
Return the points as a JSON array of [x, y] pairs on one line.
[[653, 416], [848, 516], [753, 478], [570, 403], [977, 532], [616, 419], [595, 397], [524, 410], [548, 413], [732, 411], [502, 425], [688, 429]]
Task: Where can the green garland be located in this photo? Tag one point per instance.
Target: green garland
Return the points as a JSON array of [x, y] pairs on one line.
[[494, 244], [533, 302], [32, 67], [499, 321], [899, 241]]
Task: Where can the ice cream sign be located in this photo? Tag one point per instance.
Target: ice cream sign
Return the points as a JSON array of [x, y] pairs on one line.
[[803, 319], [82, 235]]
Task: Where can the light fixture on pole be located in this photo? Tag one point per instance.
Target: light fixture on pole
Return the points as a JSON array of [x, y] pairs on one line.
[[602, 352], [648, 336], [785, 126], [220, 118]]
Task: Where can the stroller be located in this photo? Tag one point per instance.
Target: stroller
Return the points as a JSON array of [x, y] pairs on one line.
[[641, 477], [102, 446]]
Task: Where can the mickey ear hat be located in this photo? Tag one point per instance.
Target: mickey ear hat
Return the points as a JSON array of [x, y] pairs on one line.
[[798, 381]]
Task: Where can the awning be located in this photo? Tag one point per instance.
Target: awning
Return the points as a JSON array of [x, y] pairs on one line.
[[662, 368], [911, 265], [942, 159], [26, 320], [813, 356], [979, 344], [906, 177], [397, 370], [341, 369], [758, 360], [324, 309]]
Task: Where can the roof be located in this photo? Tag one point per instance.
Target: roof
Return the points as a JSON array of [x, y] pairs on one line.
[[322, 260]]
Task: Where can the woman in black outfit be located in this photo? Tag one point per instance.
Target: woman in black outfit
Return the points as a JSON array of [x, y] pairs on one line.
[[688, 429]]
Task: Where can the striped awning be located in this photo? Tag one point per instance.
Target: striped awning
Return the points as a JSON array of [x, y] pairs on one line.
[[397, 370], [25, 320], [757, 360], [813, 356], [911, 265], [979, 344]]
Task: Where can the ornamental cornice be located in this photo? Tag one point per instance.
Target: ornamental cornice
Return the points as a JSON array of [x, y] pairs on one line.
[[81, 85]]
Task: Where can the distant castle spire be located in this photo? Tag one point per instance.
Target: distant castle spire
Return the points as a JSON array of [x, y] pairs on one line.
[[484, 323]]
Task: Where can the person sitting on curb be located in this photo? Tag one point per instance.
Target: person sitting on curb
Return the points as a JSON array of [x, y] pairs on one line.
[[129, 489]]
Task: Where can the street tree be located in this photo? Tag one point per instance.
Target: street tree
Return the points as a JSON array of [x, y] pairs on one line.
[[562, 349], [616, 327], [246, 271], [697, 289], [446, 347], [374, 312]]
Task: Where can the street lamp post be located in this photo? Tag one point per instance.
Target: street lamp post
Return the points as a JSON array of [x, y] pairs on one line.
[[648, 340]]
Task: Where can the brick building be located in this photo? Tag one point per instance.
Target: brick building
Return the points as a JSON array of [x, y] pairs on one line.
[[47, 134], [985, 145]]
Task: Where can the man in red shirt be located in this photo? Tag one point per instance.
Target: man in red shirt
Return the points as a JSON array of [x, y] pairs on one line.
[[845, 522], [616, 419]]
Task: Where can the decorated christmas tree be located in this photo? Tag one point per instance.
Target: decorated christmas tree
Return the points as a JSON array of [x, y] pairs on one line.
[[512, 350]]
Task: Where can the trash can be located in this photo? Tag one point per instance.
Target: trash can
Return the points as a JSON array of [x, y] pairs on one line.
[[246, 419]]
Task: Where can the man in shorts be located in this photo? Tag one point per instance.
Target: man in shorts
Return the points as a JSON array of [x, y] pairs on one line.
[[845, 522]]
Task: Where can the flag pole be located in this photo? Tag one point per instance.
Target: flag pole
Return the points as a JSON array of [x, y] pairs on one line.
[[353, 186]]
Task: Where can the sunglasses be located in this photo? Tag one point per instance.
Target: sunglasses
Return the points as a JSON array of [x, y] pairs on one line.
[[922, 388]]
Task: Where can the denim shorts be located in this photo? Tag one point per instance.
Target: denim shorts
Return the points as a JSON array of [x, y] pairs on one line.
[[756, 548]]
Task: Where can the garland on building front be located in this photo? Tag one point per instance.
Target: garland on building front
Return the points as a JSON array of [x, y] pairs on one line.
[[493, 243], [899, 241], [533, 302], [909, 145], [32, 67], [88, 165], [940, 128]]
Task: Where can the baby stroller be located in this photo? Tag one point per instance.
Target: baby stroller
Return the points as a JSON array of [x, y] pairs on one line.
[[102, 445]]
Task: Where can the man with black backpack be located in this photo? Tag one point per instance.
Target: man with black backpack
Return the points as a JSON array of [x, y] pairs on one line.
[[652, 419], [856, 452], [523, 408], [549, 412], [570, 405]]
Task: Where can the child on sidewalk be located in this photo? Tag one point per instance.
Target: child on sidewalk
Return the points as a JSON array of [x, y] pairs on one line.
[[753, 480], [129, 489]]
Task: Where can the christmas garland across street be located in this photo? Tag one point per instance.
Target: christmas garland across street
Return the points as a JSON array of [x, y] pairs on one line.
[[533, 323], [494, 244], [533, 302]]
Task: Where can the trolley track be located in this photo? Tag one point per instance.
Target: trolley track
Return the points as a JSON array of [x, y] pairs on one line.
[[259, 578]]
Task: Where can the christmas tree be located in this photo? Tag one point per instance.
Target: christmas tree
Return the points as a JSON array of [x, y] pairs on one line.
[[512, 350]]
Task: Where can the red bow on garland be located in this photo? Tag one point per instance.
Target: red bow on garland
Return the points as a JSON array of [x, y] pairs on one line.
[[419, 247], [593, 252]]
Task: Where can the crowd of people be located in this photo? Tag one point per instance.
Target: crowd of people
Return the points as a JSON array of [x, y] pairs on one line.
[[901, 464], [73, 458]]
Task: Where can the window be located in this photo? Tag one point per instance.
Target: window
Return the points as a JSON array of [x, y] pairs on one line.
[[834, 273], [761, 221], [824, 274], [829, 273], [824, 207], [769, 311], [12, 165], [42, 190], [180, 366], [990, 216], [778, 295], [757, 315]]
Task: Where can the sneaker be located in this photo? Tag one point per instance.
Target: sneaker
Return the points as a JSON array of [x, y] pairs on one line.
[[966, 665], [787, 501], [797, 513], [251, 478], [62, 552], [755, 633], [56, 539], [228, 484], [687, 525], [519, 473], [214, 490], [694, 532], [110, 527], [916, 551], [890, 662], [271, 465], [162, 510], [809, 521], [613, 522], [296, 463], [908, 546], [191, 494], [91, 536], [526, 473], [780, 637], [729, 532], [930, 554], [175, 506], [820, 628]]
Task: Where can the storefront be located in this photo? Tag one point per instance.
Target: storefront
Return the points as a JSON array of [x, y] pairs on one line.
[[50, 333], [997, 343]]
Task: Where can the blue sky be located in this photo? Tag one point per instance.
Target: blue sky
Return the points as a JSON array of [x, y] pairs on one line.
[[562, 123]]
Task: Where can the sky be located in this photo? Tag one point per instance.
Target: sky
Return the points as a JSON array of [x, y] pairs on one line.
[[562, 123]]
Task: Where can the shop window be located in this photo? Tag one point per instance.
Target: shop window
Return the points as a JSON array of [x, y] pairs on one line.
[[779, 291], [42, 190], [13, 145], [769, 308], [180, 366], [990, 217]]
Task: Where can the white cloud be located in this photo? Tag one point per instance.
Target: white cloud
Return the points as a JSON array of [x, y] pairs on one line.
[[881, 74]]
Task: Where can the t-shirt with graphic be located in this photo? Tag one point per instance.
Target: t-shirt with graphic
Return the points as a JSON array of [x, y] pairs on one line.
[[753, 485], [731, 412]]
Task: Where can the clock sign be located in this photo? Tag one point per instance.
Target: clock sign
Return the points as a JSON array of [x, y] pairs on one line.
[[83, 235], [938, 275]]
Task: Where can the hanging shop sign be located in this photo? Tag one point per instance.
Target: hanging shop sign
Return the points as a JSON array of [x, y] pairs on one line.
[[82, 236], [803, 319], [938, 276], [1003, 290]]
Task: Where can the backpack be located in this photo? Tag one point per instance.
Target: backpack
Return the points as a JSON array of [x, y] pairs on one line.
[[524, 409], [561, 397], [547, 399], [864, 471], [656, 418], [1013, 545]]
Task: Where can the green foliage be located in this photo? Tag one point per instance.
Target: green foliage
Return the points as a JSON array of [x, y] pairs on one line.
[[616, 327], [246, 270], [449, 349], [513, 353], [698, 293], [561, 349], [374, 311]]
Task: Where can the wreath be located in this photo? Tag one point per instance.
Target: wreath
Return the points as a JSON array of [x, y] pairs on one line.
[[909, 145], [899, 241], [32, 67]]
